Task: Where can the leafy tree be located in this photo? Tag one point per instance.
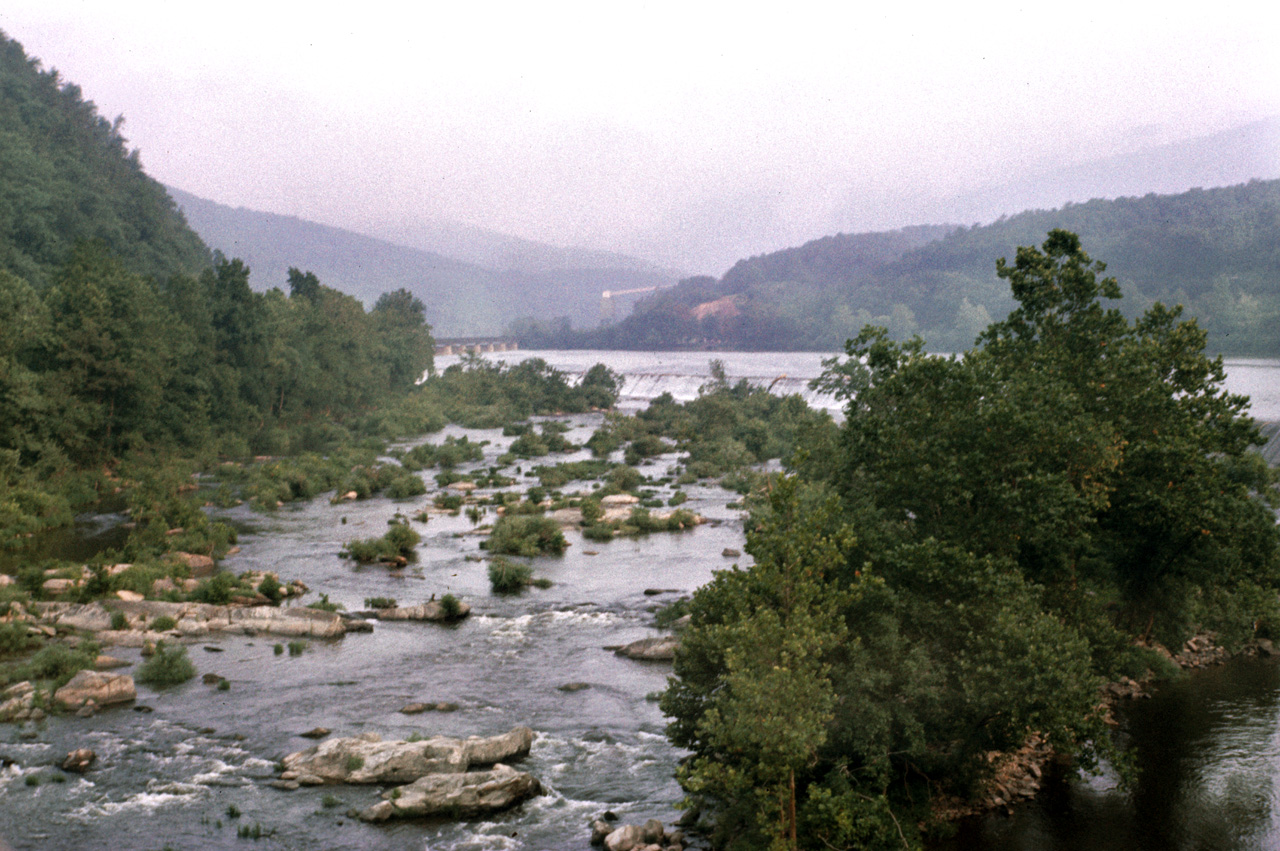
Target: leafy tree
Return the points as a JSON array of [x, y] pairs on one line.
[[399, 321], [753, 696], [1023, 513]]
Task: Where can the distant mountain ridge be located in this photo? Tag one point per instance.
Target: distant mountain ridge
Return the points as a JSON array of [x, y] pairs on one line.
[[462, 298], [1226, 158], [1214, 251], [504, 252]]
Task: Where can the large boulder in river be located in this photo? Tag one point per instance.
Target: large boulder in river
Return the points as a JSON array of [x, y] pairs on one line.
[[431, 611], [488, 750], [473, 793], [369, 759], [661, 648], [98, 686]]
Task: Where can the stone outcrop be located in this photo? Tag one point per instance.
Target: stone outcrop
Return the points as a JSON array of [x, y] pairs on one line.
[[193, 619], [200, 565], [18, 703], [432, 611], [636, 837], [369, 759], [660, 648], [462, 795], [98, 687], [79, 760]]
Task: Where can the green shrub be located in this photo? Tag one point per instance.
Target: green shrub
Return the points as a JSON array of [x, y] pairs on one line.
[[379, 602], [329, 801], [598, 532], [399, 541], [278, 649], [269, 587], [324, 605], [355, 763], [450, 606], [216, 589], [508, 577], [623, 478], [119, 621], [526, 535], [14, 638], [169, 665], [448, 501], [407, 487], [669, 614], [164, 623], [592, 510], [297, 647]]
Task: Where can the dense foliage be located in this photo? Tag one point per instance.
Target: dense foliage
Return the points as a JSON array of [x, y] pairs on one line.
[[991, 537], [67, 176], [1213, 251], [124, 345], [727, 428]]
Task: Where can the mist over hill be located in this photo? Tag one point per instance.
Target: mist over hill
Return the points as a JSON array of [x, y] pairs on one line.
[[1232, 156], [713, 233], [1214, 251], [500, 251], [461, 298]]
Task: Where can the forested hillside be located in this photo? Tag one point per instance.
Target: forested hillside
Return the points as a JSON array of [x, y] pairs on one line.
[[461, 298], [66, 175], [122, 342], [1215, 251]]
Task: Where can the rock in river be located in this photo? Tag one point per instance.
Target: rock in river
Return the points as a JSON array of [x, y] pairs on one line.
[[369, 759], [660, 648], [79, 760], [464, 795], [97, 686]]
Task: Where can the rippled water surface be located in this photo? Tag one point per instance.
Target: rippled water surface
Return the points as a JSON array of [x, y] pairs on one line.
[[1207, 747]]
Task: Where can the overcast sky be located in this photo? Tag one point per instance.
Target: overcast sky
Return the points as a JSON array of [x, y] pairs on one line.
[[649, 127]]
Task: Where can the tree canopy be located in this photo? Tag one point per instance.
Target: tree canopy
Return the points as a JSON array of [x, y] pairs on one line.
[[992, 536]]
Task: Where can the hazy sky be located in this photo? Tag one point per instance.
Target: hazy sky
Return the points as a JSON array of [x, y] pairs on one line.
[[681, 130]]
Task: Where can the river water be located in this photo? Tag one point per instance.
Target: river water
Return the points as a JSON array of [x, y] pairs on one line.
[[1209, 746]]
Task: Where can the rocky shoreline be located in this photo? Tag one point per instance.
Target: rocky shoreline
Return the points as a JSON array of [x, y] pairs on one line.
[[1018, 776]]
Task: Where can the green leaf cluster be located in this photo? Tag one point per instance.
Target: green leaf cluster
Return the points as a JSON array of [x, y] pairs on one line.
[[993, 534]]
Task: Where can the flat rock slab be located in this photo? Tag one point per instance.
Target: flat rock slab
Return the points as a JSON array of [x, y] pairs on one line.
[[369, 759], [194, 619], [465, 795], [98, 686]]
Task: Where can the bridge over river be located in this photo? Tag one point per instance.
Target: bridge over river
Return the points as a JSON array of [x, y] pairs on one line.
[[478, 345]]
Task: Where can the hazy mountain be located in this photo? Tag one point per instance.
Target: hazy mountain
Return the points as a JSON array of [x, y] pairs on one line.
[[494, 250], [1233, 156], [462, 298], [1215, 251], [713, 233]]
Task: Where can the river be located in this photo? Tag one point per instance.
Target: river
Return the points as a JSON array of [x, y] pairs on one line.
[[171, 768]]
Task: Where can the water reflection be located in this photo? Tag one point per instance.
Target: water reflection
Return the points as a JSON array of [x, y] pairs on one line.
[[1207, 751]]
